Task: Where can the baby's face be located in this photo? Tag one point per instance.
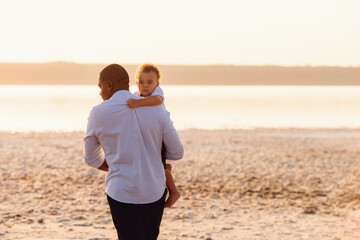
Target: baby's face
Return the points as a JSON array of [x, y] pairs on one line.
[[147, 83]]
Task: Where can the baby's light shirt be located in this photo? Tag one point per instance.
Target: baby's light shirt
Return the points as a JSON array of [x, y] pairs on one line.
[[157, 92]]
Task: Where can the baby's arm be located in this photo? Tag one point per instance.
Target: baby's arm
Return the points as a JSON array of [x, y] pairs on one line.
[[147, 101]]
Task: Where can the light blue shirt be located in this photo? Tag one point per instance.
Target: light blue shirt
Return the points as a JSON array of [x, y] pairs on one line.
[[157, 92], [131, 140]]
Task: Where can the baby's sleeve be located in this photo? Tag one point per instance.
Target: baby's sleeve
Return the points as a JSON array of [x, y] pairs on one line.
[[158, 92]]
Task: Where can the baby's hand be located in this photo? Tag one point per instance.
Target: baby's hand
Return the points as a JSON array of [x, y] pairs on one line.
[[132, 103]]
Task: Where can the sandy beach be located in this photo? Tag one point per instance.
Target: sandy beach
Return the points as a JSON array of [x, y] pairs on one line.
[[235, 184]]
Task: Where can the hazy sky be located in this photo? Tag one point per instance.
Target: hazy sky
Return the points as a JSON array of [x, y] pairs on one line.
[[279, 32]]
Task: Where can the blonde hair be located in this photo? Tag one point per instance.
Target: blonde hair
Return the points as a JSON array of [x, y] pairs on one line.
[[148, 67]]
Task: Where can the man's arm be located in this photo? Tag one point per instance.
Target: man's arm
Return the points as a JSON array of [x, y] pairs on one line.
[[173, 145], [147, 101], [94, 155]]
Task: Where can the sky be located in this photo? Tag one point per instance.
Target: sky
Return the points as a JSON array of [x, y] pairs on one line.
[[240, 32]]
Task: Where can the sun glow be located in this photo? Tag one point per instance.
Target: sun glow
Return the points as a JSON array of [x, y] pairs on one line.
[[194, 32]]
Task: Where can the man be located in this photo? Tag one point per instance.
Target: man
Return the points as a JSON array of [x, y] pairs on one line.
[[127, 143]]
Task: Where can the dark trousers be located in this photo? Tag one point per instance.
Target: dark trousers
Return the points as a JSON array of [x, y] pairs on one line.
[[137, 221]]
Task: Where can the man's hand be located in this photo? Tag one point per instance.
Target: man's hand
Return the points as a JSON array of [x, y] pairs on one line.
[[104, 166], [132, 103]]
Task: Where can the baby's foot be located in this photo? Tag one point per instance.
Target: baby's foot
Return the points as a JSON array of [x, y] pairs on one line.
[[173, 197]]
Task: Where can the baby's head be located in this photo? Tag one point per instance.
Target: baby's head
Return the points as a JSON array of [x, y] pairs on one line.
[[147, 78]]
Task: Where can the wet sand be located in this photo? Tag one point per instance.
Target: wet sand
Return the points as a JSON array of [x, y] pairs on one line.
[[235, 184]]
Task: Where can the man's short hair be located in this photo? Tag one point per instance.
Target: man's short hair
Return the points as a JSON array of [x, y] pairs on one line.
[[148, 67], [116, 74]]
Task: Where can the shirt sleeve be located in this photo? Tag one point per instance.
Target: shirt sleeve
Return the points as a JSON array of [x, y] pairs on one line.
[[158, 92], [173, 145], [94, 154]]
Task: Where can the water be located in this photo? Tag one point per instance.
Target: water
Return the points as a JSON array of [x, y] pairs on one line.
[[66, 108]]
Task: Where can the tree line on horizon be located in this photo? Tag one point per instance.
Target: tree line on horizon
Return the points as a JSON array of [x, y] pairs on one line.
[[63, 73]]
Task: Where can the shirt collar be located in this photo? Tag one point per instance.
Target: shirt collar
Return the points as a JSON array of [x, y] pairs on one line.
[[122, 96]]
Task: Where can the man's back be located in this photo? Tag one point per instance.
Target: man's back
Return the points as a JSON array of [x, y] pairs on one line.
[[131, 140]]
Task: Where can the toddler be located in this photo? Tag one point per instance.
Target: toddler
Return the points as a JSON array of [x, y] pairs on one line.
[[148, 80]]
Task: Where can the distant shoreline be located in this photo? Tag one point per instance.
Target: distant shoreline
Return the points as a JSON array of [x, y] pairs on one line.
[[220, 85], [64, 73]]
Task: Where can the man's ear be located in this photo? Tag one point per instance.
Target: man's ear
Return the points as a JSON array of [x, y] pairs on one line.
[[110, 85]]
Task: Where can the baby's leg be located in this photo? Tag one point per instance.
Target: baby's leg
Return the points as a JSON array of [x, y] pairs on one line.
[[174, 194], [169, 167]]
